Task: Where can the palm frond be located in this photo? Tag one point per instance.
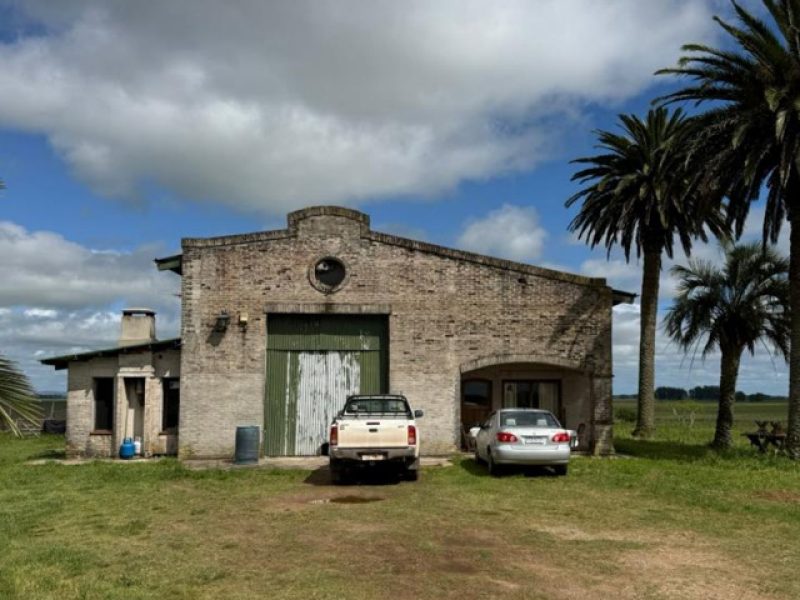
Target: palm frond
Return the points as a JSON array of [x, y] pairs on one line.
[[17, 398], [735, 307], [640, 192], [751, 135]]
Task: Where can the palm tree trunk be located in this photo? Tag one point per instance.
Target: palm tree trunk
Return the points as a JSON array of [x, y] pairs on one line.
[[793, 428], [645, 422], [729, 371]]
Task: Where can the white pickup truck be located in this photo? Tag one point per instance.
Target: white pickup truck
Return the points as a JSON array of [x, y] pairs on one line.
[[374, 430]]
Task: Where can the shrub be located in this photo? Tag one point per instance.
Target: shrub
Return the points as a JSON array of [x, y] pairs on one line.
[[625, 414]]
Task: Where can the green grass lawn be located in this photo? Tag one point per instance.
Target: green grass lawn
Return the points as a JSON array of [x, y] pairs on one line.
[[672, 520], [693, 422]]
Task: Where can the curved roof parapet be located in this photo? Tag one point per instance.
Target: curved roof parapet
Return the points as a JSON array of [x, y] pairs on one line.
[[327, 211], [175, 263]]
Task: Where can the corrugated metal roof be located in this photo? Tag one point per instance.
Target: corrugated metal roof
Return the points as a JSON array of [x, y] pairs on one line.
[[61, 362]]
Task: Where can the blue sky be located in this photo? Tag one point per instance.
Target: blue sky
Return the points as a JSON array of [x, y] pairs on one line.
[[124, 127]]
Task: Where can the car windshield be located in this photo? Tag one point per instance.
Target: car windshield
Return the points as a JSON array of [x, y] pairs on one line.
[[527, 419], [376, 406]]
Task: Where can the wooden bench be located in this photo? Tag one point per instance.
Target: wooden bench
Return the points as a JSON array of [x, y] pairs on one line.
[[762, 438]]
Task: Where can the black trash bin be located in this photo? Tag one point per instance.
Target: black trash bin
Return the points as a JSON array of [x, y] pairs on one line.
[[247, 443]]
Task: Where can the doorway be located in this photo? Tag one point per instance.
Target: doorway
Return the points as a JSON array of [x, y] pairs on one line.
[[134, 417]]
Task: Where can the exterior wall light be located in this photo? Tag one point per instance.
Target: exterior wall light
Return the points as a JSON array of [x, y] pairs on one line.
[[221, 324]]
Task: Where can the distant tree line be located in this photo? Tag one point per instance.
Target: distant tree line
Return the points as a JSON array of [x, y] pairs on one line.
[[704, 393]]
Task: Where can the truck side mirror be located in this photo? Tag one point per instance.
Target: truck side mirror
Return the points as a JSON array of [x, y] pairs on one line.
[[418, 413]]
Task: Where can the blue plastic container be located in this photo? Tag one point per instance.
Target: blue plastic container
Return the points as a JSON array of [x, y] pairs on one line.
[[127, 449]]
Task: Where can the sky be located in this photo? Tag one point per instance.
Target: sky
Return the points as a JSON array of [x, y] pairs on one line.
[[125, 126]]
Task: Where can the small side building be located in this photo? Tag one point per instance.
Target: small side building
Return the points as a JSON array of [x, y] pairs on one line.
[[131, 390]]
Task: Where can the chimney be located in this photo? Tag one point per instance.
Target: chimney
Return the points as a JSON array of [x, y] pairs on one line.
[[138, 326]]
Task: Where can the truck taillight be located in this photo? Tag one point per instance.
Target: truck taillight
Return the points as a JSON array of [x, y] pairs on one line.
[[334, 440], [506, 438], [561, 437], [412, 435]]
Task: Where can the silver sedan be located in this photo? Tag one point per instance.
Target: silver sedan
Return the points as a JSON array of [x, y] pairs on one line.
[[523, 436]]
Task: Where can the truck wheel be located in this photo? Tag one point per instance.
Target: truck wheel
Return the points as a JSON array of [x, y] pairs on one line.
[[411, 474], [337, 473]]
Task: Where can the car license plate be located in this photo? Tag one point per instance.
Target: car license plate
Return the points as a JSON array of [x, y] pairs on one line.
[[372, 457], [538, 440]]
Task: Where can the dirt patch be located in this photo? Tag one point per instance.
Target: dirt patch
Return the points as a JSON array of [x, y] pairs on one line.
[[641, 563], [347, 500], [575, 534], [463, 567], [688, 568], [455, 557], [507, 585], [786, 496]]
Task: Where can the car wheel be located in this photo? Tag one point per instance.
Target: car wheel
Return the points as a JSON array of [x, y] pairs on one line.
[[560, 470], [491, 466]]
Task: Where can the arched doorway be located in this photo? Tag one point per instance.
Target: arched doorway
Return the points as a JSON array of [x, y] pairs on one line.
[[476, 401], [491, 384]]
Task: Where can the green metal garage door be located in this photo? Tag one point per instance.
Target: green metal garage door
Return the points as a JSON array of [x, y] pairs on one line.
[[313, 363]]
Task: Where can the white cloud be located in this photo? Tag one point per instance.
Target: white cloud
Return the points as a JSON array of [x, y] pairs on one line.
[[618, 273], [510, 231], [59, 297], [41, 270], [269, 106], [44, 313]]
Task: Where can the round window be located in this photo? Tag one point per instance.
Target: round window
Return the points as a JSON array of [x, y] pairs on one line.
[[329, 273]]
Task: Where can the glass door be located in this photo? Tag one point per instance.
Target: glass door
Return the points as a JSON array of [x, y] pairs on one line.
[[532, 394]]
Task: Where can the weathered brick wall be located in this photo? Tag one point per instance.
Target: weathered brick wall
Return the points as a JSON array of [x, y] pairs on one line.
[[447, 308], [80, 408], [153, 367]]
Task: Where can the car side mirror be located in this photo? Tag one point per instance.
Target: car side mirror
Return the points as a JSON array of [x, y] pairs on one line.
[[419, 413], [474, 431]]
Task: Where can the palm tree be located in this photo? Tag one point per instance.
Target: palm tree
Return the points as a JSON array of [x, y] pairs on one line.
[[731, 309], [751, 136], [17, 398], [638, 196]]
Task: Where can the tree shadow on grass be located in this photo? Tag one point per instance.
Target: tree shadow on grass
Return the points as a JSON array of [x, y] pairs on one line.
[[372, 477], [477, 469], [51, 454], [473, 467], [661, 450]]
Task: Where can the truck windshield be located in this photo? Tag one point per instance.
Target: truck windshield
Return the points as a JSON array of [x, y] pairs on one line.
[[394, 406]]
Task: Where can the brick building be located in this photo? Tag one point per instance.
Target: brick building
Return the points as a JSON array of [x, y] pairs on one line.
[[279, 326]]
